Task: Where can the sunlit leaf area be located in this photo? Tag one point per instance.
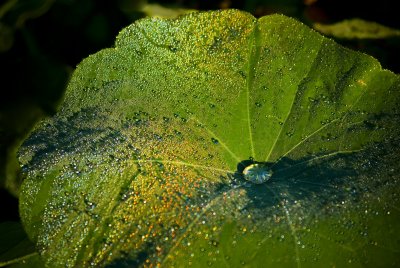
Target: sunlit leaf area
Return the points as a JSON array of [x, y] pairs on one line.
[[199, 134]]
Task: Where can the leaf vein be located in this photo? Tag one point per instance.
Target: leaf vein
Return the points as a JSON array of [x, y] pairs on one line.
[[292, 105]]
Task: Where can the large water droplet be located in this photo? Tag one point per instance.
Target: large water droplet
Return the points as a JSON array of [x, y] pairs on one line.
[[257, 173]]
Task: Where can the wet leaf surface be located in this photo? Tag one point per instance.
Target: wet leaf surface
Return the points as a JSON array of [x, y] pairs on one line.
[[145, 161]]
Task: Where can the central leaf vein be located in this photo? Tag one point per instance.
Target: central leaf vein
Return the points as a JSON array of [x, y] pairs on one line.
[[254, 53], [181, 163]]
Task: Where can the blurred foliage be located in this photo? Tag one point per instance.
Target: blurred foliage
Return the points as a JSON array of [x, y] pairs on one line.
[[357, 29], [156, 10], [14, 244], [41, 42]]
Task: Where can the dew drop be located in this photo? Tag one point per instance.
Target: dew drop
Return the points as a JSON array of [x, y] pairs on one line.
[[257, 173], [215, 141], [89, 205], [173, 49], [289, 134]]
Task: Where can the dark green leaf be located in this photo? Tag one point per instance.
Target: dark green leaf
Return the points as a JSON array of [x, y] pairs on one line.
[[143, 163], [15, 246], [32, 262]]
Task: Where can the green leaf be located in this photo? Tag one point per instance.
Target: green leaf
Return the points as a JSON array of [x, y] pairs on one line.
[[32, 262], [144, 162], [15, 247], [357, 29]]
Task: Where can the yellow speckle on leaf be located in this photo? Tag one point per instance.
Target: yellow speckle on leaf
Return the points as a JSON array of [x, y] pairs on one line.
[[361, 82]]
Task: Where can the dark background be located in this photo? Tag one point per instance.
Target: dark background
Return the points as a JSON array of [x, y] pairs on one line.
[[41, 42]]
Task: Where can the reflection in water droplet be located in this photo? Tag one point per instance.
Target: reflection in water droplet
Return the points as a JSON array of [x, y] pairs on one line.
[[257, 173], [89, 205], [173, 49], [289, 134]]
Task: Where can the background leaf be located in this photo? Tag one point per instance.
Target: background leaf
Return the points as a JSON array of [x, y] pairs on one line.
[[357, 28], [15, 247], [156, 10], [143, 162]]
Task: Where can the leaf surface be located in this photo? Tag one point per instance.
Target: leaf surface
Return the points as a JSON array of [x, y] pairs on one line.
[[143, 163]]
